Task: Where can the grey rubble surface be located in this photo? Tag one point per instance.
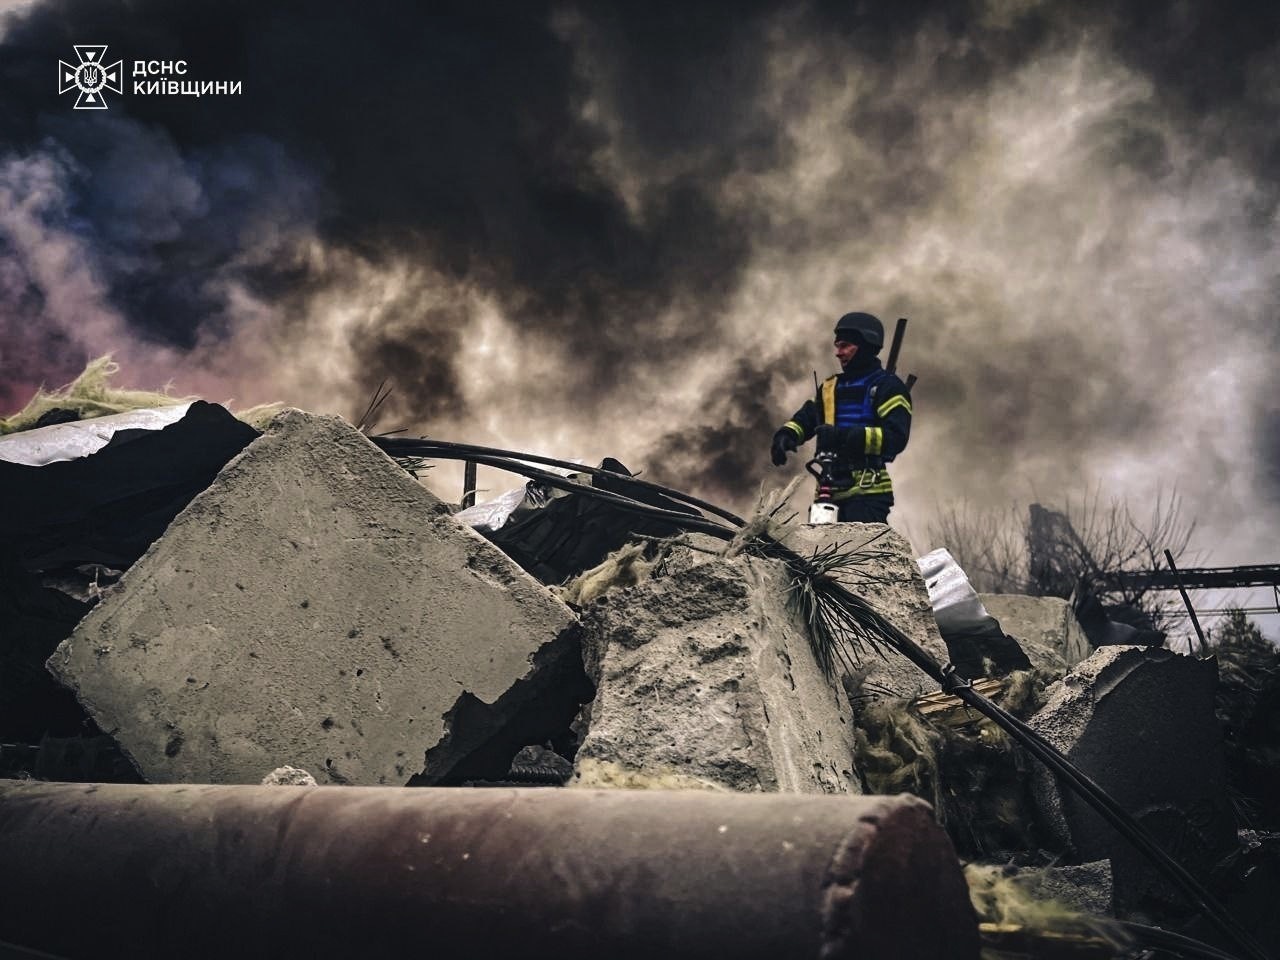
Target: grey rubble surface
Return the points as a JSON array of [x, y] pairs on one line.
[[705, 680], [894, 586], [1140, 722], [1045, 628], [314, 606], [705, 676]]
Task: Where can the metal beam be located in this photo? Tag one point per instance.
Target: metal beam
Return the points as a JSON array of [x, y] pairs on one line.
[[1198, 578], [220, 871]]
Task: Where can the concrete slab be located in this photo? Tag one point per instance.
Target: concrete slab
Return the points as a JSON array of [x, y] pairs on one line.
[[1140, 722], [1044, 627], [705, 680], [313, 607]]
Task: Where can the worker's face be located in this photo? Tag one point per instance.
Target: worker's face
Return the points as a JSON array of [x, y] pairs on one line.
[[845, 352]]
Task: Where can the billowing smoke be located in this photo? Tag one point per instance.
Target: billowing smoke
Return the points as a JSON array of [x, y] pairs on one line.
[[627, 231]]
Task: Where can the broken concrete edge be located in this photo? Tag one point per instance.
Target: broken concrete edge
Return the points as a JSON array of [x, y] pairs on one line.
[[1046, 628], [383, 524], [1129, 718], [705, 678], [471, 724], [704, 616]]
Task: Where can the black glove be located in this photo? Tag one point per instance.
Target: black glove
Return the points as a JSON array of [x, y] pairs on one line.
[[831, 439], [784, 442]]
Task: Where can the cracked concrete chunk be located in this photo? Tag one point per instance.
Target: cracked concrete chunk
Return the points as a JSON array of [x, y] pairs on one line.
[[705, 680], [1140, 722], [896, 589], [314, 606], [1045, 628]]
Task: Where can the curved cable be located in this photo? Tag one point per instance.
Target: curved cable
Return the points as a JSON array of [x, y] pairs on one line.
[[448, 450]]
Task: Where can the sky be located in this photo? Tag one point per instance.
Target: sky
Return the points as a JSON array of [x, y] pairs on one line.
[[627, 229]]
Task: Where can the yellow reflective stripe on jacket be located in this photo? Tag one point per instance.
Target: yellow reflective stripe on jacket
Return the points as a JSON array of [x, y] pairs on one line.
[[893, 403], [874, 441], [880, 484], [795, 428], [829, 400]]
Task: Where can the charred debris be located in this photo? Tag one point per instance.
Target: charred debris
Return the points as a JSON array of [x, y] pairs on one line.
[[190, 598]]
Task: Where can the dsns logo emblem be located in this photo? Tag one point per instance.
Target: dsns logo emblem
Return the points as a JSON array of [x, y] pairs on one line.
[[90, 76]]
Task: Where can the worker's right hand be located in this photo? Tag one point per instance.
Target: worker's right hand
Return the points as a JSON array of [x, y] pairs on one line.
[[784, 442]]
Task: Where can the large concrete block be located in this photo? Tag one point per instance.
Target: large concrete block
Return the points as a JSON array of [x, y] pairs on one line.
[[895, 587], [1140, 722], [1045, 628], [705, 679], [313, 607]]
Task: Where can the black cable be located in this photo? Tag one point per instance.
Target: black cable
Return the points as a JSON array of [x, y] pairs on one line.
[[1114, 814], [1161, 939], [448, 450], [1046, 753], [687, 521]]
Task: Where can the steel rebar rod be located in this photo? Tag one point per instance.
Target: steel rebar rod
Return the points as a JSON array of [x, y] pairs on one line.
[[1186, 602]]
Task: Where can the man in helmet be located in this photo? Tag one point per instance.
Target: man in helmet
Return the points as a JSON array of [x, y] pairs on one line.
[[862, 415]]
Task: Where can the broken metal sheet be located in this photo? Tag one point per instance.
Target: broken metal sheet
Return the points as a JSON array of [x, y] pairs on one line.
[[81, 438]]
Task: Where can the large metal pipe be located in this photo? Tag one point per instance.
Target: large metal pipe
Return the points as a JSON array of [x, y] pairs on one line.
[[95, 870]]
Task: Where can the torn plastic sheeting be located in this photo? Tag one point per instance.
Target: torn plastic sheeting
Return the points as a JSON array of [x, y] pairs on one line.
[[493, 514], [109, 507], [80, 438], [956, 605]]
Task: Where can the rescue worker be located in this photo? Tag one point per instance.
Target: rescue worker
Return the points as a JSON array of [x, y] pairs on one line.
[[862, 415]]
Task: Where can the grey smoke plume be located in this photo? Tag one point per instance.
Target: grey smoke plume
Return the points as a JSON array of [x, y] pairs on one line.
[[627, 231]]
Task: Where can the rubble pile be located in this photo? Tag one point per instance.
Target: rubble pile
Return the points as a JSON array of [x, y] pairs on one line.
[[1140, 721], [195, 601]]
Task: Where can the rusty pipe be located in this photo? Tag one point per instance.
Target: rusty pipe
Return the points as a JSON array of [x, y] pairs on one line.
[[204, 871]]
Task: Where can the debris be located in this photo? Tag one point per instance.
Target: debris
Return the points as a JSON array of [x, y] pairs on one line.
[[890, 581], [625, 567], [109, 507], [34, 619], [705, 678], [556, 534], [1062, 899], [315, 603], [90, 395], [939, 749], [288, 776], [1140, 722], [1045, 628], [976, 644], [73, 439]]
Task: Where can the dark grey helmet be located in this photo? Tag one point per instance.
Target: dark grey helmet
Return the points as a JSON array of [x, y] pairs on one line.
[[860, 328]]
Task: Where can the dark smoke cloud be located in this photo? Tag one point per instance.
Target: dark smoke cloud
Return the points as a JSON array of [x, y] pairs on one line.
[[720, 453], [453, 135], [625, 229]]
